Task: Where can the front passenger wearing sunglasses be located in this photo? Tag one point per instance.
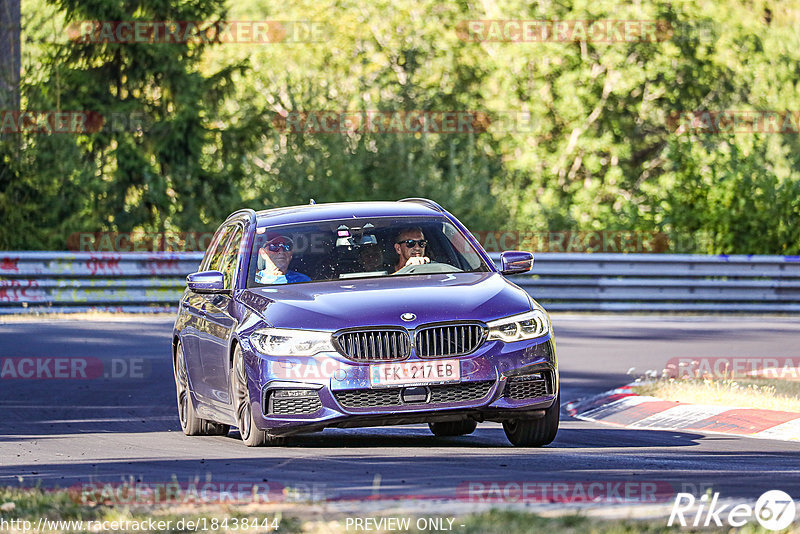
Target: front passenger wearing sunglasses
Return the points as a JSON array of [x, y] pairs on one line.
[[410, 247], [277, 255]]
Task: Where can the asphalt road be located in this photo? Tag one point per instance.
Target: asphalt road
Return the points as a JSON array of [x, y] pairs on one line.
[[124, 426]]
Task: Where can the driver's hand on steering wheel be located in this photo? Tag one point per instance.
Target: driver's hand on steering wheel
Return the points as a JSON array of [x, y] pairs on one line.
[[417, 260]]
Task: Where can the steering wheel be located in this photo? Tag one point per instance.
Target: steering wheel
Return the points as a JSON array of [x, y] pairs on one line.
[[429, 268]]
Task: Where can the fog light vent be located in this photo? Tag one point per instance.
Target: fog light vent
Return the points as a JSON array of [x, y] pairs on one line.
[[292, 402], [528, 386]]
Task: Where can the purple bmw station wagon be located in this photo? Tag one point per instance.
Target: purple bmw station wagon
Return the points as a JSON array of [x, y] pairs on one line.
[[360, 314]]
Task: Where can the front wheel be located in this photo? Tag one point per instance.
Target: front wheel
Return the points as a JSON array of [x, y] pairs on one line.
[[191, 423], [534, 432], [251, 435]]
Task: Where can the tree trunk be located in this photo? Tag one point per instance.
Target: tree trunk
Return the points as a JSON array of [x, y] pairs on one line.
[[9, 54]]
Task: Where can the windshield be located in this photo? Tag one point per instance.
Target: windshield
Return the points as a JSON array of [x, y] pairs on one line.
[[359, 248]]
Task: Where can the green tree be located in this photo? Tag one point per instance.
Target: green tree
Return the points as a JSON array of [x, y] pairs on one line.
[[166, 154], [595, 145]]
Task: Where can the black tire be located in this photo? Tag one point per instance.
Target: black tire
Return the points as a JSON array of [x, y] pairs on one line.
[[251, 436], [534, 432], [453, 428], [191, 423]]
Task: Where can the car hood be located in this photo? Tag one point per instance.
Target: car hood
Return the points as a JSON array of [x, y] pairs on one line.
[[381, 301]]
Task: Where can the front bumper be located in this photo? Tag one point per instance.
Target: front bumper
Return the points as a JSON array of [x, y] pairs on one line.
[[499, 381]]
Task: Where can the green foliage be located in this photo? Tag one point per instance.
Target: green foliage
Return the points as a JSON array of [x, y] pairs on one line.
[[154, 161], [596, 149]]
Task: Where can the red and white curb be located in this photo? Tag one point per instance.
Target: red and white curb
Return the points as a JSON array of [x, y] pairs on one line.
[[623, 407]]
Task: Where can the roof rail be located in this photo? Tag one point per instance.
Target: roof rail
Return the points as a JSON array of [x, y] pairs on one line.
[[251, 214], [425, 201]]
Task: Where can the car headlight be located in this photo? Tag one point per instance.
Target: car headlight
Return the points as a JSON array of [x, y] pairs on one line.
[[528, 325], [286, 342]]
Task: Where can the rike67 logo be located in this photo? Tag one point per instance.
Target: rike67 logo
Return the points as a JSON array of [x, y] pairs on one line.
[[774, 510]]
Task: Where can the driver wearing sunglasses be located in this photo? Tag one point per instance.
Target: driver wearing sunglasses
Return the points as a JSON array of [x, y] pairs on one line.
[[276, 255], [410, 247]]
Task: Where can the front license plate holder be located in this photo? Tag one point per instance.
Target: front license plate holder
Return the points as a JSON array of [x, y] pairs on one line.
[[416, 373]]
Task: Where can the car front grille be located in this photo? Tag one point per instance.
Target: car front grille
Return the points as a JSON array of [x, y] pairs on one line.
[[308, 403], [380, 345], [439, 394], [528, 386], [448, 340], [465, 391], [369, 398]]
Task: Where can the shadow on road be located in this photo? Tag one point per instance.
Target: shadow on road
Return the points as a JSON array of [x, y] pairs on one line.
[[344, 464]]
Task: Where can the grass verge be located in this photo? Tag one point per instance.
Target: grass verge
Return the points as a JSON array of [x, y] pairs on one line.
[[18, 505], [760, 393]]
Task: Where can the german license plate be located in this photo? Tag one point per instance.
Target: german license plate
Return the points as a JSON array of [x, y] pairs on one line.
[[414, 373]]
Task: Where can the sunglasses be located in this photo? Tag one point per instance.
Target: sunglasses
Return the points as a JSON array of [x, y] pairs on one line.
[[411, 243], [275, 247]]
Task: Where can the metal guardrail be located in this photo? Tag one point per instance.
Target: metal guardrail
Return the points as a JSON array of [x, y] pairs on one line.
[[665, 282], [153, 282], [83, 281]]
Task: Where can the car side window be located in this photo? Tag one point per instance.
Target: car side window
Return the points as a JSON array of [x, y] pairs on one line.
[[219, 248], [211, 248], [230, 257]]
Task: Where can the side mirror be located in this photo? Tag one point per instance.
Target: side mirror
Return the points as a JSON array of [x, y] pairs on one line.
[[206, 282], [515, 262]]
